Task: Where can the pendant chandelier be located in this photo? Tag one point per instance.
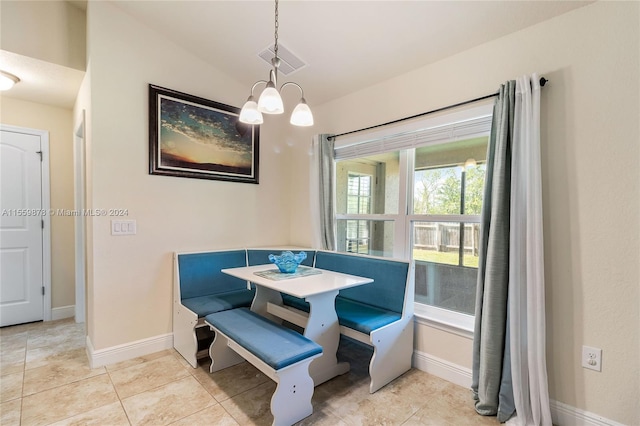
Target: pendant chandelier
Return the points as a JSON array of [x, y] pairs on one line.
[[270, 101]]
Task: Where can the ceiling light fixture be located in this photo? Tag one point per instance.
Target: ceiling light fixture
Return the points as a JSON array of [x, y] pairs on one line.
[[7, 80], [270, 101]]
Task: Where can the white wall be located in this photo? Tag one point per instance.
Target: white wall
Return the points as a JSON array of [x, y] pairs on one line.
[[57, 121], [590, 112], [52, 31], [130, 294]]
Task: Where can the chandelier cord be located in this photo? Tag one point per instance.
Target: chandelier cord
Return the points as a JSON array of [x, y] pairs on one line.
[[275, 46]]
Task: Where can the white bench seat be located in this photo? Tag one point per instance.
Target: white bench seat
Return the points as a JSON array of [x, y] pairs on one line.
[[280, 353]]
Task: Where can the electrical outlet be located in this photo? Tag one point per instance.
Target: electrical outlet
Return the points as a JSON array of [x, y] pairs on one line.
[[592, 358]]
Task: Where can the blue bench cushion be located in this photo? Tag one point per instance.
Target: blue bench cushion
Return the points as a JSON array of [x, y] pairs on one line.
[[296, 302], [351, 314], [205, 305], [389, 278], [361, 317], [200, 273], [274, 344], [261, 256]]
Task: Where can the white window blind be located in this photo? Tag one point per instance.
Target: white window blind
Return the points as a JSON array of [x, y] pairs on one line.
[[430, 130], [429, 136]]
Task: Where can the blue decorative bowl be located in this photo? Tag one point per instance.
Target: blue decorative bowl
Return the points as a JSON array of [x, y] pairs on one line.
[[287, 262]]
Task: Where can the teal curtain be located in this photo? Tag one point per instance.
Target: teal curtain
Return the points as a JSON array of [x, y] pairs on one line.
[[326, 176], [509, 365], [491, 379]]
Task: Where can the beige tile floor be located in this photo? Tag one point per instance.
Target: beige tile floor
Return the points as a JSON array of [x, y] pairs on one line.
[[45, 379]]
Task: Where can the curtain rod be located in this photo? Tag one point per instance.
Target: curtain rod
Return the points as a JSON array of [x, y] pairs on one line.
[[543, 81]]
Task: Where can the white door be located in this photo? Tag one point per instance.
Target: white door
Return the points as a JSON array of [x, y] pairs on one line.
[[21, 224]]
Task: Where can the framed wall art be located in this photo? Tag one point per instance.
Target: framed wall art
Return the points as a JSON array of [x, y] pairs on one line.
[[198, 138]]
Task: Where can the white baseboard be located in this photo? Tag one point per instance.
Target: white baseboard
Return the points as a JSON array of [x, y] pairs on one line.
[[101, 357], [63, 312], [566, 415], [561, 414], [444, 369]]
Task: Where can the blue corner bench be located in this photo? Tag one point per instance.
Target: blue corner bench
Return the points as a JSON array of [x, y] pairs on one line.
[[379, 314], [280, 353]]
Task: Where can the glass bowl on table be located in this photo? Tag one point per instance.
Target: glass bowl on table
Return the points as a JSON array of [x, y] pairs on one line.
[[287, 262]]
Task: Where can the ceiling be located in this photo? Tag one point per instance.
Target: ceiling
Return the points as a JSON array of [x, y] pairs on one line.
[[347, 45], [41, 81]]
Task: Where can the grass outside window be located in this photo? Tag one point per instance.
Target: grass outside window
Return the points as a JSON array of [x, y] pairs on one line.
[[449, 258]]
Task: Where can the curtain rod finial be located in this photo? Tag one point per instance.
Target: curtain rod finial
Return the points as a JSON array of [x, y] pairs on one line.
[[543, 81]]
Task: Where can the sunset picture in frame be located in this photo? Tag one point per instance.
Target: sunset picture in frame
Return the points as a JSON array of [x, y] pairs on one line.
[[198, 138]]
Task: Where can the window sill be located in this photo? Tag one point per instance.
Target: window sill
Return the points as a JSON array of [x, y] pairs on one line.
[[442, 319]]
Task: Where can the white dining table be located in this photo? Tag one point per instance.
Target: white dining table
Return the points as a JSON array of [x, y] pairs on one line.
[[319, 289]]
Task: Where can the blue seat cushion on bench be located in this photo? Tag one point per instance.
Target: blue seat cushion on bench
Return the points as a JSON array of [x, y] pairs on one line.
[[200, 273], [361, 317], [295, 302], [351, 314], [274, 344], [205, 305]]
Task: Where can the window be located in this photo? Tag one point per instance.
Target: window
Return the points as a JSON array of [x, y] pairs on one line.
[[358, 194], [418, 195], [366, 191], [447, 198], [358, 202]]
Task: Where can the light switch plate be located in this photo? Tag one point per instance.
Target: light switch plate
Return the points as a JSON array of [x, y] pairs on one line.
[[123, 227]]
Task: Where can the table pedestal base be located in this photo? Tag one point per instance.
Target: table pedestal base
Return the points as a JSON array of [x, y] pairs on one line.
[[321, 326]]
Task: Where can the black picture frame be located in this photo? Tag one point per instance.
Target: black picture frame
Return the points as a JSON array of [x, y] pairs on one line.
[[193, 137]]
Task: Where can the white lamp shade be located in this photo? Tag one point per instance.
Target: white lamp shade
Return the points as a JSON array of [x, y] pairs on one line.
[[301, 115], [270, 101], [249, 113], [7, 80]]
